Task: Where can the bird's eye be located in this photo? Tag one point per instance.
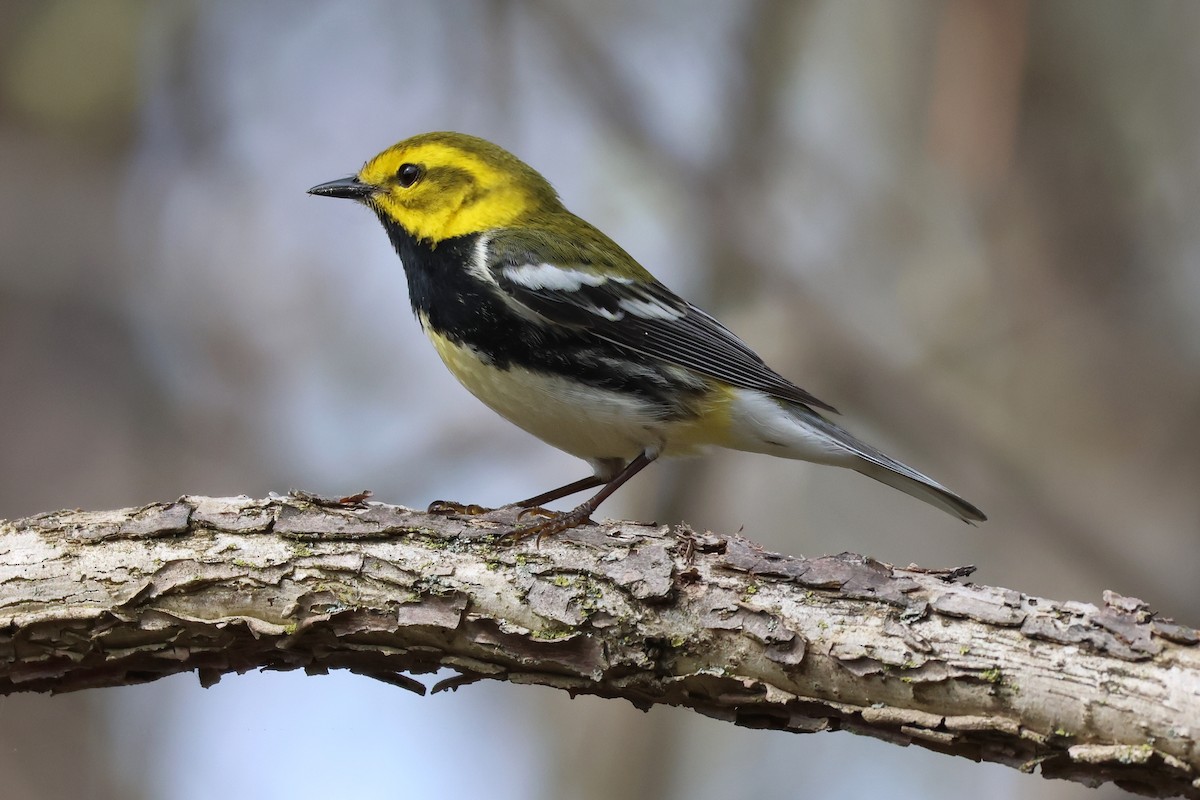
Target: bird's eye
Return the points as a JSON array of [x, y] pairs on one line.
[[408, 174]]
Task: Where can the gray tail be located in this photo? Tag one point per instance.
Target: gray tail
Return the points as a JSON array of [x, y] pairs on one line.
[[885, 469]]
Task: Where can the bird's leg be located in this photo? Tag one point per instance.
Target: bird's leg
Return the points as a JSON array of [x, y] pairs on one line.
[[589, 482], [534, 504], [531, 506], [581, 513]]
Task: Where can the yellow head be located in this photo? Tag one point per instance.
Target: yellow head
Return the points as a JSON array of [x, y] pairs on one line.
[[441, 185]]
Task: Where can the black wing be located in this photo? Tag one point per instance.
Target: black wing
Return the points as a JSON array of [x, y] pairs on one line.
[[637, 313]]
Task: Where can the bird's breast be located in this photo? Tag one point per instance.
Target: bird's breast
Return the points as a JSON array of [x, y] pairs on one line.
[[586, 421]]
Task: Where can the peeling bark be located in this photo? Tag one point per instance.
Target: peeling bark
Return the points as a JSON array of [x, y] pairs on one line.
[[650, 614]]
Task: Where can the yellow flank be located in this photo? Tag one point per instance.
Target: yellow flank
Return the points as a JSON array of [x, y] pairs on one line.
[[435, 209], [711, 426]]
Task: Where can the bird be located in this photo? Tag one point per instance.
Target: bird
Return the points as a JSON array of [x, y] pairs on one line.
[[554, 326]]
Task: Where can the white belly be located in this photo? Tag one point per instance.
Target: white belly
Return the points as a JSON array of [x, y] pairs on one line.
[[584, 421]]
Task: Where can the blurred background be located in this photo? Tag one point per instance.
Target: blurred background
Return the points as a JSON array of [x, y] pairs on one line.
[[970, 225]]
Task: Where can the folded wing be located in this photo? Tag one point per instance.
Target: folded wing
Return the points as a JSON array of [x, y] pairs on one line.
[[637, 313]]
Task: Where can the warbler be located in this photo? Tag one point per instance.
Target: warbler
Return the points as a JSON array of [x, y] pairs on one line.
[[559, 330]]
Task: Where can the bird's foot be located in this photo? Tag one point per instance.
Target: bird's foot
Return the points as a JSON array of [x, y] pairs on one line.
[[447, 507], [552, 523]]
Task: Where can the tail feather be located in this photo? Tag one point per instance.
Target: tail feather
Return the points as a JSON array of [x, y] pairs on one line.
[[885, 469], [922, 487]]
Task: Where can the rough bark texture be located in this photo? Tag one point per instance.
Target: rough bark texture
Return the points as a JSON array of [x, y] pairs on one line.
[[651, 614]]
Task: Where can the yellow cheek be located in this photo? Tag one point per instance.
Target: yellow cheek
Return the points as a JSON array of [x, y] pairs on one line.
[[450, 215], [486, 210], [421, 224]]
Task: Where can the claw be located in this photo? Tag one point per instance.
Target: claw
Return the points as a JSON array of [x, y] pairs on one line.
[[554, 523], [538, 511]]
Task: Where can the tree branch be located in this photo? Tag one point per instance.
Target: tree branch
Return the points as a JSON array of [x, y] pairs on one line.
[[650, 614]]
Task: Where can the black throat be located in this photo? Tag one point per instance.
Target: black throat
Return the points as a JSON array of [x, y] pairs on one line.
[[451, 300]]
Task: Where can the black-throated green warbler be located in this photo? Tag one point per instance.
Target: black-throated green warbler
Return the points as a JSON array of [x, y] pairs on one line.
[[555, 327]]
